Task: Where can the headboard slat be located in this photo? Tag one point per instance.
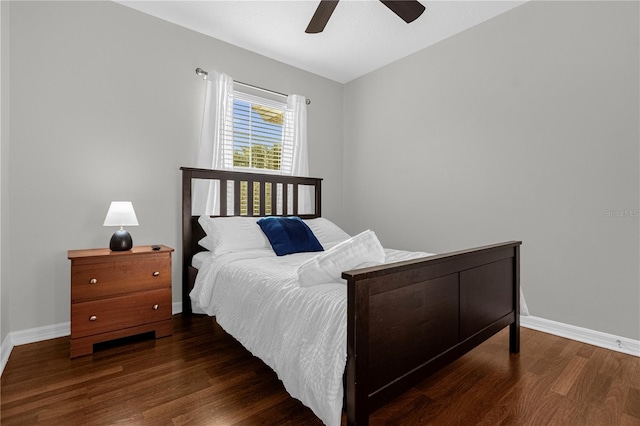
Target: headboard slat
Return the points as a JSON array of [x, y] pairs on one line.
[[223, 197], [274, 197], [285, 198], [295, 199], [236, 196], [250, 190]]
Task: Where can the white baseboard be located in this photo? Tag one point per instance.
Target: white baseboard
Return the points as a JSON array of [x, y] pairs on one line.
[[176, 308], [39, 334], [32, 335], [584, 335]]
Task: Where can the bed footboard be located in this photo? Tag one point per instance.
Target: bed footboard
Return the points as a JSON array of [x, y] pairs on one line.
[[408, 319]]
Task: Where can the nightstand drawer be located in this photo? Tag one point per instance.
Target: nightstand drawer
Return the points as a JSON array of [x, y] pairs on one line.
[[93, 281], [101, 316]]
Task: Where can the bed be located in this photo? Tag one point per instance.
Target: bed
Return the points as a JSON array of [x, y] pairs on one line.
[[404, 320]]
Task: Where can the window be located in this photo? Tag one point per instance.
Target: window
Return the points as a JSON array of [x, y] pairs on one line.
[[258, 129]]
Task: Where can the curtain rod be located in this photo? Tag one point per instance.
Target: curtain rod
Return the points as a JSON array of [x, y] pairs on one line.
[[202, 73]]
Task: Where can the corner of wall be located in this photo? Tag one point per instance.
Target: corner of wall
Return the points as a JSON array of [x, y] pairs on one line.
[[4, 142], [5, 351]]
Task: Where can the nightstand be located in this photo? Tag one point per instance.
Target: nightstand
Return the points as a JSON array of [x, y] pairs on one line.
[[116, 294]]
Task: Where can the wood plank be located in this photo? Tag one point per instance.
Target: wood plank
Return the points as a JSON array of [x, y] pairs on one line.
[[569, 375], [632, 403]]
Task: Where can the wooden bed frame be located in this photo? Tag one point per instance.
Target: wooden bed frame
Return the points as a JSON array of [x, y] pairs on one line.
[[405, 320]]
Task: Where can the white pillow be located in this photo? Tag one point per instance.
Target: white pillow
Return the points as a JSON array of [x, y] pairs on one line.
[[362, 250], [229, 234], [208, 243], [326, 231]]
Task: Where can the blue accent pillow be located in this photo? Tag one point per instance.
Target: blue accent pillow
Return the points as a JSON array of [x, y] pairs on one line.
[[289, 235]]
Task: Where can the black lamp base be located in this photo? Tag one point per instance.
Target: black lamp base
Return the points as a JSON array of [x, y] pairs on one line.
[[121, 241]]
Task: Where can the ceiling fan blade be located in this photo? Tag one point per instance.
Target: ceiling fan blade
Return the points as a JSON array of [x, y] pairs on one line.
[[321, 17], [409, 10]]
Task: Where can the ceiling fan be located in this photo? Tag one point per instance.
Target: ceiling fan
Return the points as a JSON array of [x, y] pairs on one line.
[[408, 10]]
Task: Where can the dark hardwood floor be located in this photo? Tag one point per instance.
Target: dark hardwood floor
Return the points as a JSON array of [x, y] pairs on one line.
[[202, 376]]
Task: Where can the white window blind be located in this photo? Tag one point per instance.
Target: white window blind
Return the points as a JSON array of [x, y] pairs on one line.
[[258, 131]]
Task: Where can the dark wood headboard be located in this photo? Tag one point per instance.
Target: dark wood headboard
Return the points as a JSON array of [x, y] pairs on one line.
[[276, 206]]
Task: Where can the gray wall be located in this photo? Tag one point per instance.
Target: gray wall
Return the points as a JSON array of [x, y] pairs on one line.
[[105, 105], [4, 135], [525, 127]]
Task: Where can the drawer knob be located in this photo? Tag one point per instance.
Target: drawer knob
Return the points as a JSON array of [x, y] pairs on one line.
[[155, 307], [93, 318], [93, 281], [156, 273]]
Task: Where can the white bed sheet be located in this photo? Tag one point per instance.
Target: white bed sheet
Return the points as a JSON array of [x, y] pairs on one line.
[[299, 332]]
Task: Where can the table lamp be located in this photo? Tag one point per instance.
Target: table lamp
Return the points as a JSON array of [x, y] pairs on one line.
[[121, 214]]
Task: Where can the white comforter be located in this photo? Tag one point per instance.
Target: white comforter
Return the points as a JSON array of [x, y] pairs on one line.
[[300, 332]]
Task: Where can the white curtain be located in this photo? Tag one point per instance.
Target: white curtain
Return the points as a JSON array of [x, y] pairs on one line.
[[295, 158], [216, 141]]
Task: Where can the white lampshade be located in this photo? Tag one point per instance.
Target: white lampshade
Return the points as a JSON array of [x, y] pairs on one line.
[[121, 213]]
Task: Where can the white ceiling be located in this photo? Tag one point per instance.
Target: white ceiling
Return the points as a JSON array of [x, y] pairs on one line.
[[361, 36]]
